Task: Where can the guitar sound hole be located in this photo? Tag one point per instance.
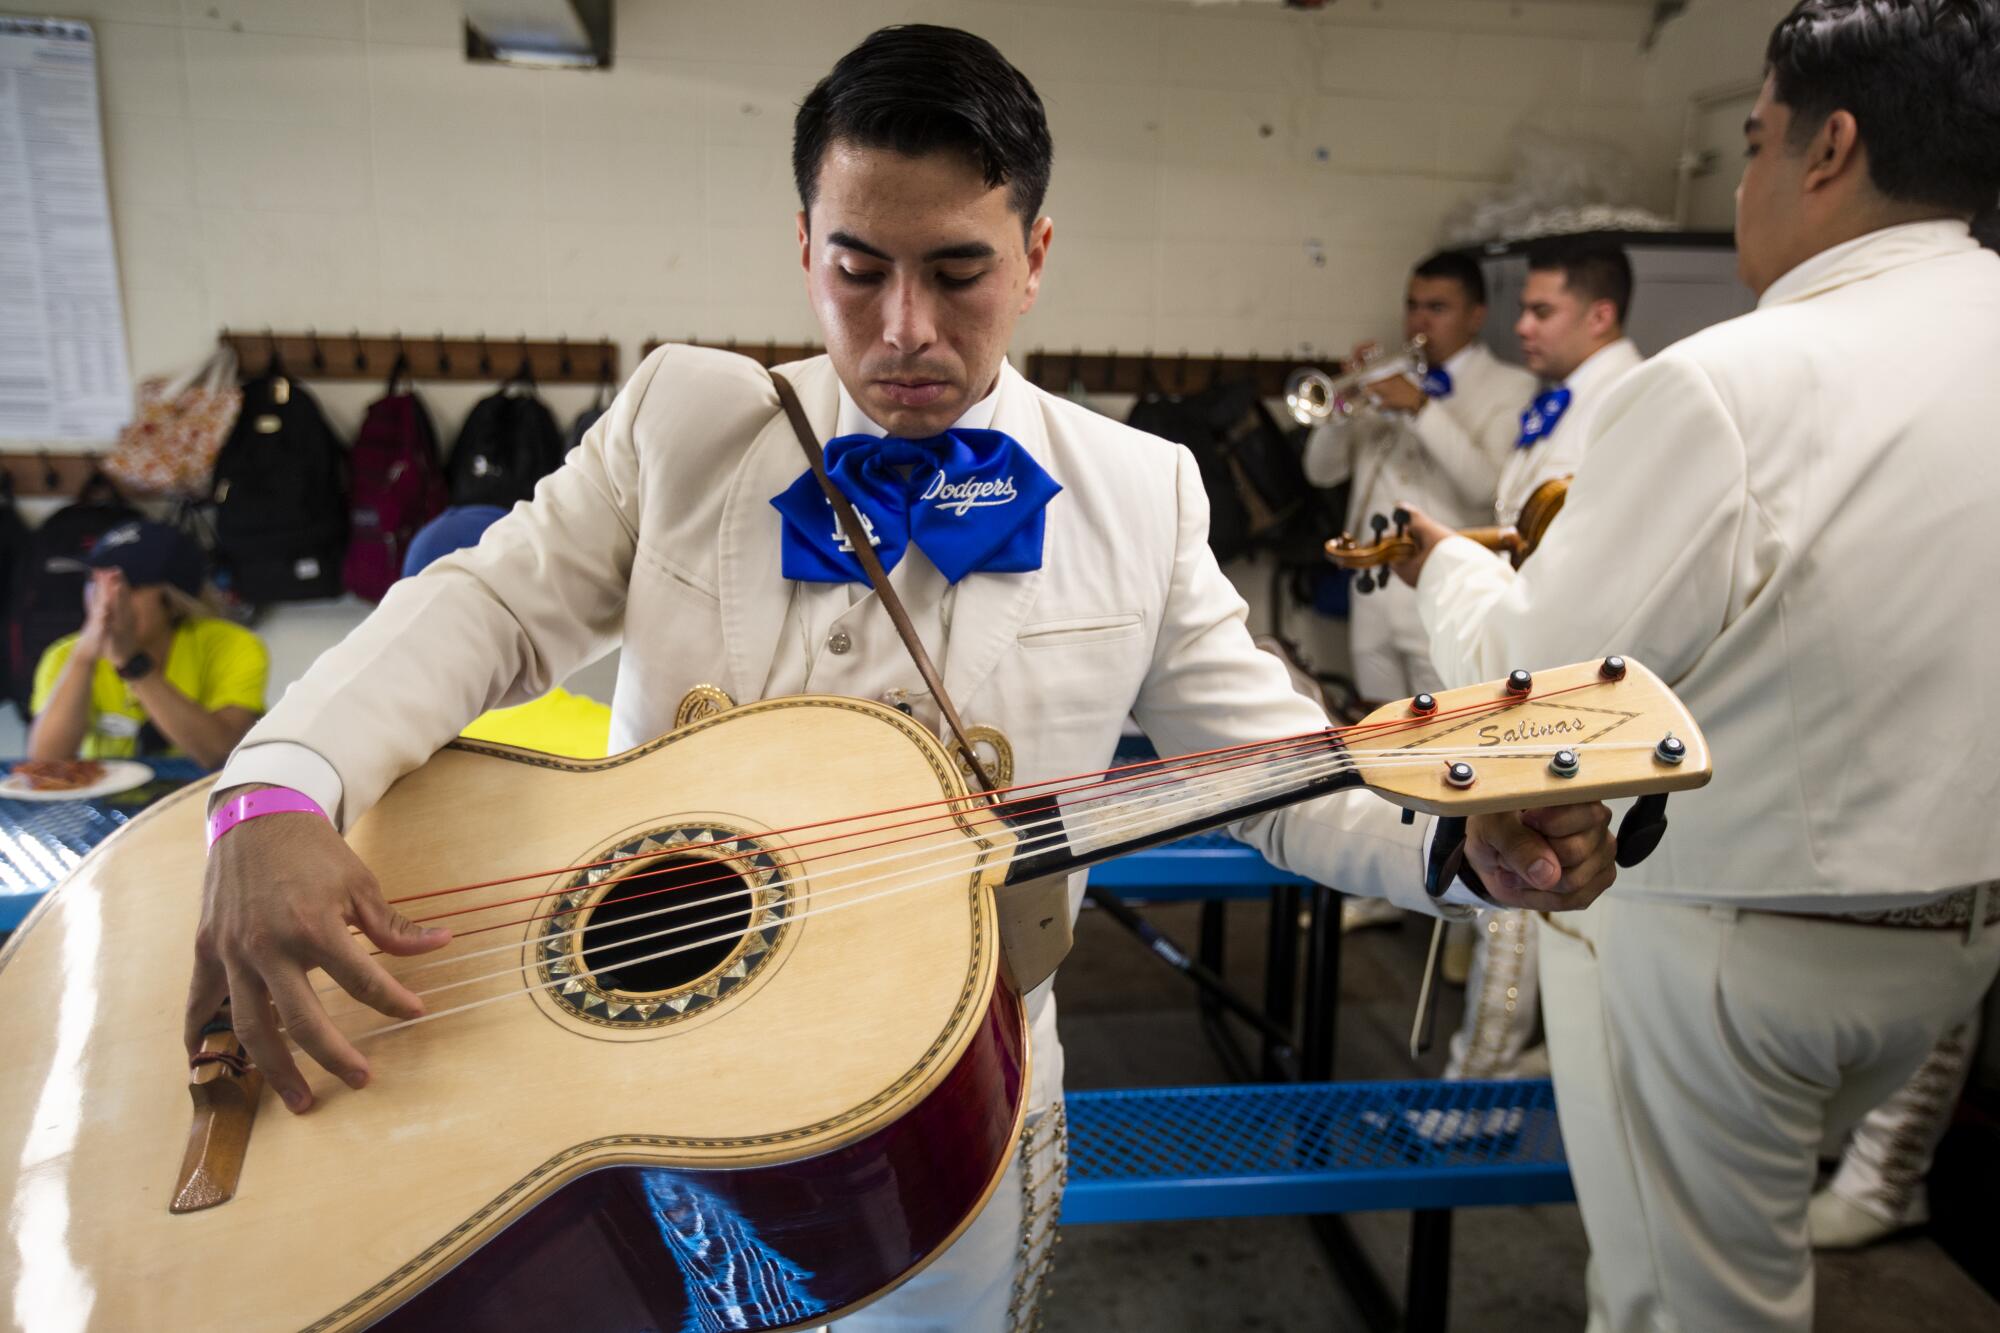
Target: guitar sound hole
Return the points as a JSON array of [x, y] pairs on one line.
[[676, 895]]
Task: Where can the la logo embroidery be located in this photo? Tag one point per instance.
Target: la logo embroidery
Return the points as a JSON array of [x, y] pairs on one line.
[[867, 525]]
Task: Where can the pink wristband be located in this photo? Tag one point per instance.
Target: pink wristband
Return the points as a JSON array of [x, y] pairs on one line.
[[268, 801]]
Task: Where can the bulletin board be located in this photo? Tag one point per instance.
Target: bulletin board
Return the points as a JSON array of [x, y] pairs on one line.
[[63, 370]]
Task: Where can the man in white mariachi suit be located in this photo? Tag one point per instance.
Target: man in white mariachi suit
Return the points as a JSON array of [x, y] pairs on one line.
[[921, 162], [1825, 910], [1439, 443], [1572, 330]]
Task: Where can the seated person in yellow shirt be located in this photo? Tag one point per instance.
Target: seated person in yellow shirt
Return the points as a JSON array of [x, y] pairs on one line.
[[151, 672], [572, 725]]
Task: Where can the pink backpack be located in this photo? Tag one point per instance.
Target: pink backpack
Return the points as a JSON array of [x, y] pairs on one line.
[[398, 486]]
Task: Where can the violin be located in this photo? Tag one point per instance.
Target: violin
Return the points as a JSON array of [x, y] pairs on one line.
[[1517, 543]]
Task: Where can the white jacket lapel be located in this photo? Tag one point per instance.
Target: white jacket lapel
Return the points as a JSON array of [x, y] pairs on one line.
[[756, 596], [989, 608]]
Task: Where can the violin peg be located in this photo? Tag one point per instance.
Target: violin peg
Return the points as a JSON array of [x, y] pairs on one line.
[[1366, 583], [1379, 524], [1402, 520]]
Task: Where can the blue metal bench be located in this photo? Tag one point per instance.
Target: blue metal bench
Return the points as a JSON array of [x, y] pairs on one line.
[[1321, 1148]]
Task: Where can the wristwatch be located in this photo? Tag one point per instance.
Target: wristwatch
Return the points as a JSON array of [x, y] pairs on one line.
[[138, 666]]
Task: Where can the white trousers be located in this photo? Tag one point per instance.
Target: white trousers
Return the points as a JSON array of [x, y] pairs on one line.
[[1391, 651], [991, 1278], [1701, 1055], [1884, 1165], [1502, 994]]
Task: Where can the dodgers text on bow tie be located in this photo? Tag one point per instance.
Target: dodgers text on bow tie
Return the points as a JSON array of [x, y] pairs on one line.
[[959, 496]]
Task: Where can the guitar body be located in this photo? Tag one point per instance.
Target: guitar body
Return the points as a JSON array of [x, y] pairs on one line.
[[782, 1119]]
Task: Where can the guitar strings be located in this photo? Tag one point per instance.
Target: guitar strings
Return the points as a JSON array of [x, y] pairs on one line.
[[1170, 765], [1147, 812], [1285, 774]]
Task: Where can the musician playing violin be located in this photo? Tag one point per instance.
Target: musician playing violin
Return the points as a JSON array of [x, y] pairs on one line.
[[1827, 908], [1439, 443], [1053, 561]]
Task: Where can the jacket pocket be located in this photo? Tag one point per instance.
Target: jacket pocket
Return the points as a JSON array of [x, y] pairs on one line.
[[1081, 630]]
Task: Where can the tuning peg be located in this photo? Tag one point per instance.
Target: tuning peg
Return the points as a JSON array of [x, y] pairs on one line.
[[1379, 524], [1366, 583], [1641, 829], [1402, 520]]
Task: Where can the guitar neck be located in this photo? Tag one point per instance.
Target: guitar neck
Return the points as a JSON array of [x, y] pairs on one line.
[[1142, 809]]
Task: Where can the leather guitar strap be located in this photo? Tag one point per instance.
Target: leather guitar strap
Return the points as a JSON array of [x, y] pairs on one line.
[[1033, 916], [871, 564]]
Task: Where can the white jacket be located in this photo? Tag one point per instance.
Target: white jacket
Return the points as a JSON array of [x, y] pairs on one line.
[[1790, 517], [1559, 453], [1446, 460]]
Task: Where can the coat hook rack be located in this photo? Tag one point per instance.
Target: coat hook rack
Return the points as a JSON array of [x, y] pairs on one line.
[[370, 356]]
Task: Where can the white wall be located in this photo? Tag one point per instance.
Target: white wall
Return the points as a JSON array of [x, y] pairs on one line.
[[336, 163]]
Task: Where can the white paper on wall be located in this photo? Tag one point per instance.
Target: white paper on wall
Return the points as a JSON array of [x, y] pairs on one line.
[[63, 372]]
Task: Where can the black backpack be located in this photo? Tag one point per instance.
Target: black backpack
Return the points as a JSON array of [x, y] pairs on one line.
[[1258, 495], [280, 497], [44, 603], [507, 444]]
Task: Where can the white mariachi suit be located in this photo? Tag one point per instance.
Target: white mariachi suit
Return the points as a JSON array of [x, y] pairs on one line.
[[1726, 526], [1503, 989], [1558, 453], [657, 534], [1445, 460]]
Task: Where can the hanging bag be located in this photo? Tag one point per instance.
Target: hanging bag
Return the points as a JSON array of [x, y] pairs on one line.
[[169, 447], [398, 485]]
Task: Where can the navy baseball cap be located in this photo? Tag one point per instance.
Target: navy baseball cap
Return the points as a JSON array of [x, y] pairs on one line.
[[149, 553], [456, 528]]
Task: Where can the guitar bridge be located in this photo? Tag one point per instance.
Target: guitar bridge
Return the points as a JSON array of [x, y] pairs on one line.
[[225, 1088]]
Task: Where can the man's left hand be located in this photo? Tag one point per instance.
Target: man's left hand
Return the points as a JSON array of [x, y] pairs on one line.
[[1555, 859], [1425, 532], [1398, 393]]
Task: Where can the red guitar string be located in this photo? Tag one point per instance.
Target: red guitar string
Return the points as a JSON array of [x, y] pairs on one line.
[[1100, 791]]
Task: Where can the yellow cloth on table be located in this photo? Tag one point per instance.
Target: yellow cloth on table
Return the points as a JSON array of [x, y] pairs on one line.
[[216, 663], [572, 725]]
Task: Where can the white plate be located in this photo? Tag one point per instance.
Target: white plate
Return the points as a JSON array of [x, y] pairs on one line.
[[119, 775]]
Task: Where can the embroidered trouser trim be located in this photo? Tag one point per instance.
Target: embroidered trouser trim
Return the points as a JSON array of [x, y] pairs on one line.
[[1044, 1169], [1501, 997], [1890, 1154]]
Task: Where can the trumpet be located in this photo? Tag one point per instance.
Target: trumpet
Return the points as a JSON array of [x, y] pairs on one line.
[[1313, 396]]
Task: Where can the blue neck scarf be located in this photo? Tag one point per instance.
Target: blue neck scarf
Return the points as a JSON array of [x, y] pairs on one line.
[[1437, 382], [971, 500], [1542, 416]]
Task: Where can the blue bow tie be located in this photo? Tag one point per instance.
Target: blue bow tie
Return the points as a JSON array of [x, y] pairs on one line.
[[971, 500], [1437, 382], [1542, 416]]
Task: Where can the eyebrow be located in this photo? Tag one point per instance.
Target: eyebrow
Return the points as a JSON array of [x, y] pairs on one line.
[[963, 250]]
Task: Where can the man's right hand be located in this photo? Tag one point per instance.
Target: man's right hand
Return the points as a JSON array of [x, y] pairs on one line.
[[280, 894]]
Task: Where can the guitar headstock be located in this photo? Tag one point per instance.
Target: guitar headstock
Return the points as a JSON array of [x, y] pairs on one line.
[[1593, 731]]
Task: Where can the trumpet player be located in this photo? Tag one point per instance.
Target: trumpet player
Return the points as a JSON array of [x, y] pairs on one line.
[[1572, 331], [1436, 442]]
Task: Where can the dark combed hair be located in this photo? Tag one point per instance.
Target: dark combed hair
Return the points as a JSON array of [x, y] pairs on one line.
[[1596, 270], [1921, 79], [917, 89], [1459, 266]]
